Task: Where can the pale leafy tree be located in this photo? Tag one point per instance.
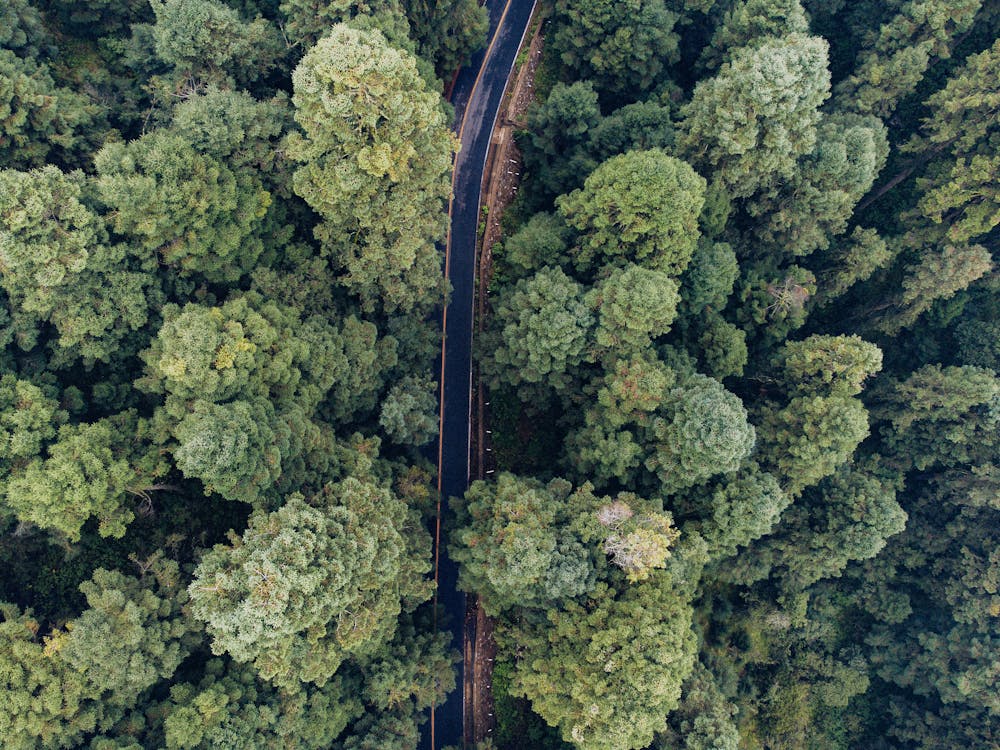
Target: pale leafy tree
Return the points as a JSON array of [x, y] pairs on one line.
[[640, 207], [309, 586], [750, 123], [375, 156], [636, 542], [60, 266]]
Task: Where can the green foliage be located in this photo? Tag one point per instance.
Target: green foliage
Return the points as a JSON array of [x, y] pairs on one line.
[[182, 207], [87, 472], [132, 635], [309, 586], [542, 325], [922, 31], [737, 509], [703, 432], [60, 267], [640, 207], [209, 40], [749, 123], [704, 718], [409, 411], [622, 45], [542, 241], [511, 548], [799, 216], [375, 163], [608, 671], [751, 22], [39, 119], [809, 437], [558, 129], [447, 33], [834, 365], [46, 703], [633, 306], [940, 416]]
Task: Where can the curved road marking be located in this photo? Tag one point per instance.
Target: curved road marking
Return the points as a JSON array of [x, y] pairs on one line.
[[444, 329]]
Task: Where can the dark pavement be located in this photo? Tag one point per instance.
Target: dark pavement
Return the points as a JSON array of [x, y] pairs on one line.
[[476, 96]]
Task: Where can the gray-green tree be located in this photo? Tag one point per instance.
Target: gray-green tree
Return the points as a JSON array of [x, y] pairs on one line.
[[640, 207], [310, 585], [375, 156], [750, 123]]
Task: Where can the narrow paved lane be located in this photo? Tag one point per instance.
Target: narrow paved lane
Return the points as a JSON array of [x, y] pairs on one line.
[[477, 96]]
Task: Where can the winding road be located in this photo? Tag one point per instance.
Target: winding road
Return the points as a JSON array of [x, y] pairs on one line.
[[477, 95]]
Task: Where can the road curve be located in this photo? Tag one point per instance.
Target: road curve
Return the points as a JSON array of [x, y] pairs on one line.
[[477, 96]]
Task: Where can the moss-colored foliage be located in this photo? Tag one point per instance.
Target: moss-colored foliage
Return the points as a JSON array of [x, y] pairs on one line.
[[184, 208], [311, 585], [608, 671], [375, 163], [60, 266], [639, 207], [749, 123]]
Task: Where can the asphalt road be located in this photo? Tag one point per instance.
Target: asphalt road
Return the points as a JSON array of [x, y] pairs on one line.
[[477, 95]]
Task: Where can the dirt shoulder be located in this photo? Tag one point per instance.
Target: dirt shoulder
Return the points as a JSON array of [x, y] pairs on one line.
[[500, 184]]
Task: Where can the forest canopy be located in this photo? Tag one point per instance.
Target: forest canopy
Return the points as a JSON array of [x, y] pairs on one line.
[[741, 351]]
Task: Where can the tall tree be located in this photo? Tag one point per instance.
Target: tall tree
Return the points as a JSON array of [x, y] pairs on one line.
[[59, 265], [621, 44], [752, 120], [375, 157], [311, 585], [639, 207], [542, 326], [921, 32], [607, 672]]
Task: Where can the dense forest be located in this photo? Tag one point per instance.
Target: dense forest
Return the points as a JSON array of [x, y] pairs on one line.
[[742, 353], [743, 359], [218, 273]]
